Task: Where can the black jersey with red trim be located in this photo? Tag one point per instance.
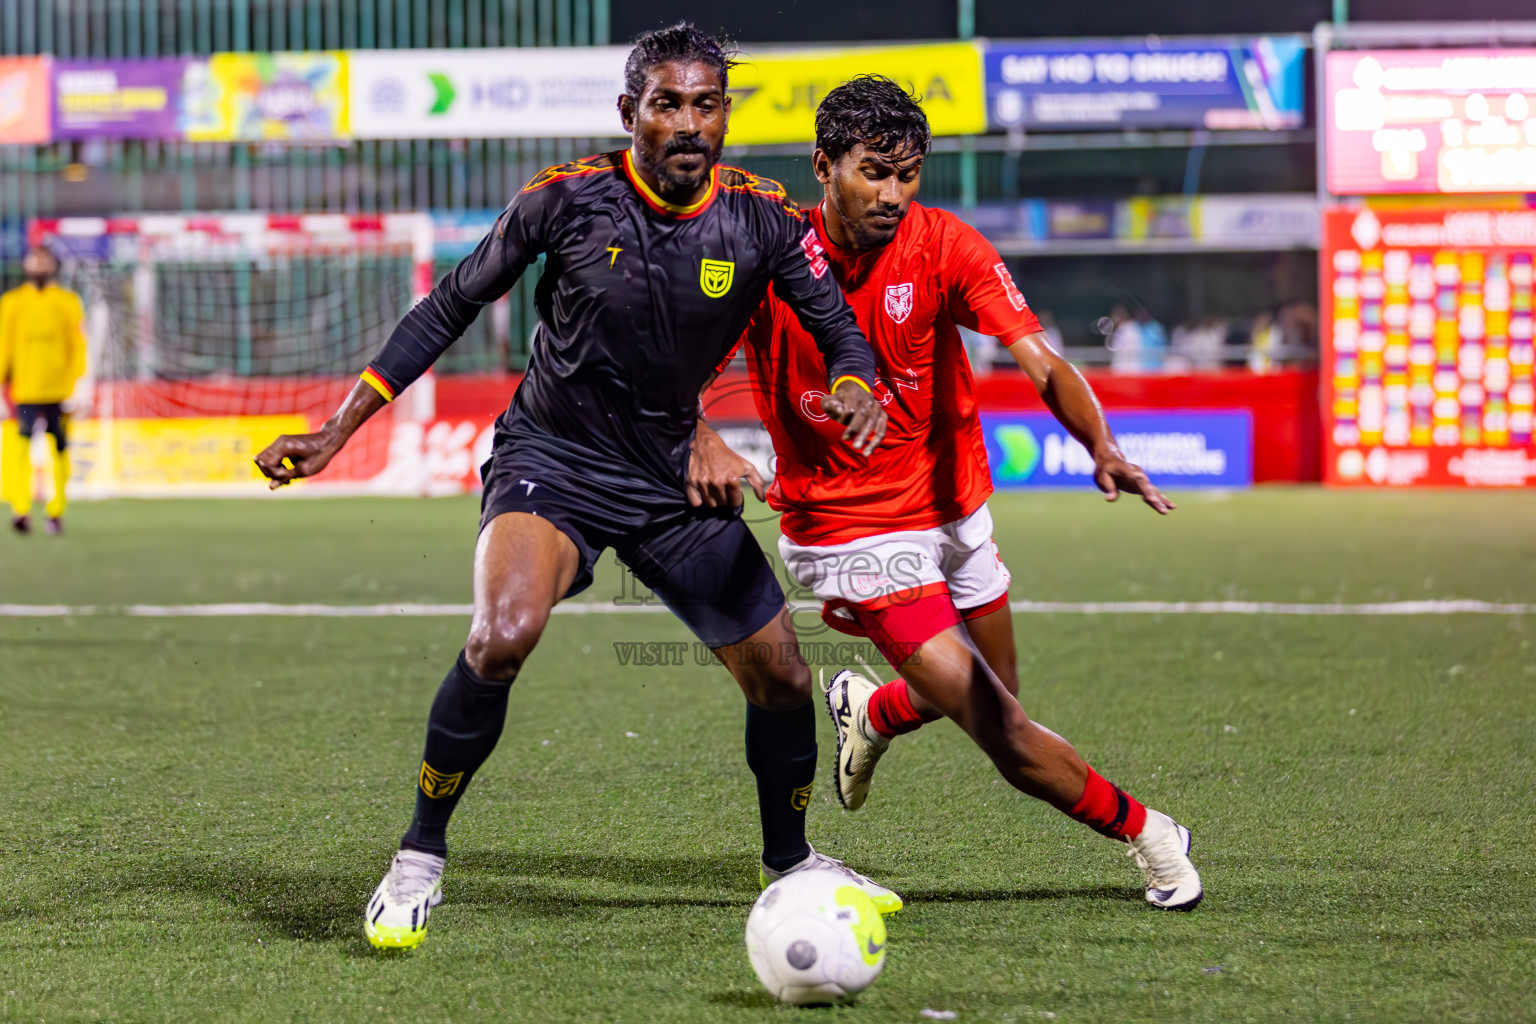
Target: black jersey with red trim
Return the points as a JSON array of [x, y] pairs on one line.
[[638, 301]]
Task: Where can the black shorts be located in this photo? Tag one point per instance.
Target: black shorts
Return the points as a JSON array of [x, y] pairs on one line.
[[52, 416], [703, 563]]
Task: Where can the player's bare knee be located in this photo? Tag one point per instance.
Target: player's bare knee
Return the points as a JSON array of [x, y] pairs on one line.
[[494, 657], [497, 647]]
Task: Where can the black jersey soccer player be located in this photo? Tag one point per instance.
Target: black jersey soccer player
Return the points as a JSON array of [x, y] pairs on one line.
[[656, 258]]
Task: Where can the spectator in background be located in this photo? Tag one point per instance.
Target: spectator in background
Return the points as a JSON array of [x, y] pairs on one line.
[[42, 356], [1154, 341], [1198, 346], [1125, 344], [1298, 326], [1264, 340]]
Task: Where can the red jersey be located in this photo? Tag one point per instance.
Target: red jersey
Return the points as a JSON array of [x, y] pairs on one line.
[[908, 296]]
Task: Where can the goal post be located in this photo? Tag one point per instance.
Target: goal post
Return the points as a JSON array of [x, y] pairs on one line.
[[210, 334]]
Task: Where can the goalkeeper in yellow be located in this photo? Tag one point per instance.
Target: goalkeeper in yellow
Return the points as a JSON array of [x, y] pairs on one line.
[[42, 356]]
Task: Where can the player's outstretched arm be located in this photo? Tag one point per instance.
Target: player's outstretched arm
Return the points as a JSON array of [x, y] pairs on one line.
[[803, 280], [424, 333], [1072, 401], [298, 455]]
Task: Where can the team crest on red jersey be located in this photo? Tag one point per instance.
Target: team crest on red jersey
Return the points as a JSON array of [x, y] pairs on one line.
[[898, 301]]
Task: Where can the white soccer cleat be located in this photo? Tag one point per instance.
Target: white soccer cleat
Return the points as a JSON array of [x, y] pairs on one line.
[[1162, 853], [858, 745], [885, 901], [396, 917]]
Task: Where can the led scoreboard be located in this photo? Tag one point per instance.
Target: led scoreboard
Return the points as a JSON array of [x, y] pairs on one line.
[[1423, 121], [1427, 359]]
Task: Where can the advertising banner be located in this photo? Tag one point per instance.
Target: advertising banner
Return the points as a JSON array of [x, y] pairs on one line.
[[1250, 83], [1189, 431], [565, 92], [24, 106], [117, 99], [775, 93], [1281, 220], [257, 97], [1430, 121], [1427, 358], [1248, 221], [1178, 449], [156, 456]]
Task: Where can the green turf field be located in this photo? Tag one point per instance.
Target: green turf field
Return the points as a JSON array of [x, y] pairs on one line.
[[196, 809]]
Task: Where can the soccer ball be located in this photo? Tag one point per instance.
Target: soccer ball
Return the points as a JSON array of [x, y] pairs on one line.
[[815, 937]]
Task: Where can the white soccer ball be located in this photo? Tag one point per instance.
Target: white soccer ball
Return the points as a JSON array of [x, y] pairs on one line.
[[815, 937]]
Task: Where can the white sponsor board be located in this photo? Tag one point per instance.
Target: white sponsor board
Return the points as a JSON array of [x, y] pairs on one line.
[[1282, 220], [570, 92]]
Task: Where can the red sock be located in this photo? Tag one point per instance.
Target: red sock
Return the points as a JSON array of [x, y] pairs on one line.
[[891, 711], [1108, 809]]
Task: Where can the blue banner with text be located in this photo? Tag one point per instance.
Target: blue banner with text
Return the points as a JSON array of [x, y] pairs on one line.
[[1253, 83], [1178, 450]]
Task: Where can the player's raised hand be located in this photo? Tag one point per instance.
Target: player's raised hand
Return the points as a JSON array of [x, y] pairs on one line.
[[860, 412], [297, 455], [1114, 474], [715, 472]]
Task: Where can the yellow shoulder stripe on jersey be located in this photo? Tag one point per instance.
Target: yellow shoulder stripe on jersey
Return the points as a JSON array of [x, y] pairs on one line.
[[659, 204], [738, 179], [857, 380], [378, 384], [595, 164], [735, 179]]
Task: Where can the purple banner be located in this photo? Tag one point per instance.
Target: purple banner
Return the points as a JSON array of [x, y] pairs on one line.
[[117, 99]]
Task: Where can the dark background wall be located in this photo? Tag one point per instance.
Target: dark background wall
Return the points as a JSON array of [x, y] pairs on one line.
[[776, 21]]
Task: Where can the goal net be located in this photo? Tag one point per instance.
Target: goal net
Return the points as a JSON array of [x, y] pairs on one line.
[[209, 335]]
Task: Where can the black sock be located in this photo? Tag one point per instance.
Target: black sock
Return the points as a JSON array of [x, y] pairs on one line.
[[462, 730], [781, 751]]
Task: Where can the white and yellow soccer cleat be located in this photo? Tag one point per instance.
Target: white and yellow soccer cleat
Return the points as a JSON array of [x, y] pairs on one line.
[[858, 745], [396, 917], [1162, 853], [885, 901]]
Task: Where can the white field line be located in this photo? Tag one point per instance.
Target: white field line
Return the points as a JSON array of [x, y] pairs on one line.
[[375, 611], [1461, 607]]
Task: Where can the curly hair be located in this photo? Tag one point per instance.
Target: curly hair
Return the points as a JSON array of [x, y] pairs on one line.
[[874, 110], [680, 42]]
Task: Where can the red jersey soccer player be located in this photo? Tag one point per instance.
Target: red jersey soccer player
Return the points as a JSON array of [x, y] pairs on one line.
[[898, 545]]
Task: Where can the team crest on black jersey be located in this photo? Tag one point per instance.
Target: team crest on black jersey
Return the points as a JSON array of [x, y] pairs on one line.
[[715, 277]]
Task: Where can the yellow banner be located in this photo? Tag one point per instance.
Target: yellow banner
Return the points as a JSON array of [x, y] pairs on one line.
[[257, 97], [154, 455], [774, 95]]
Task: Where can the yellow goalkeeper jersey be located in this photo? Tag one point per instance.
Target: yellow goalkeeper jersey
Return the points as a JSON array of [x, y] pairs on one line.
[[42, 346]]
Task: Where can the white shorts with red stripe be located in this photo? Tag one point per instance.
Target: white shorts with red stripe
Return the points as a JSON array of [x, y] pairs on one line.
[[959, 559]]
